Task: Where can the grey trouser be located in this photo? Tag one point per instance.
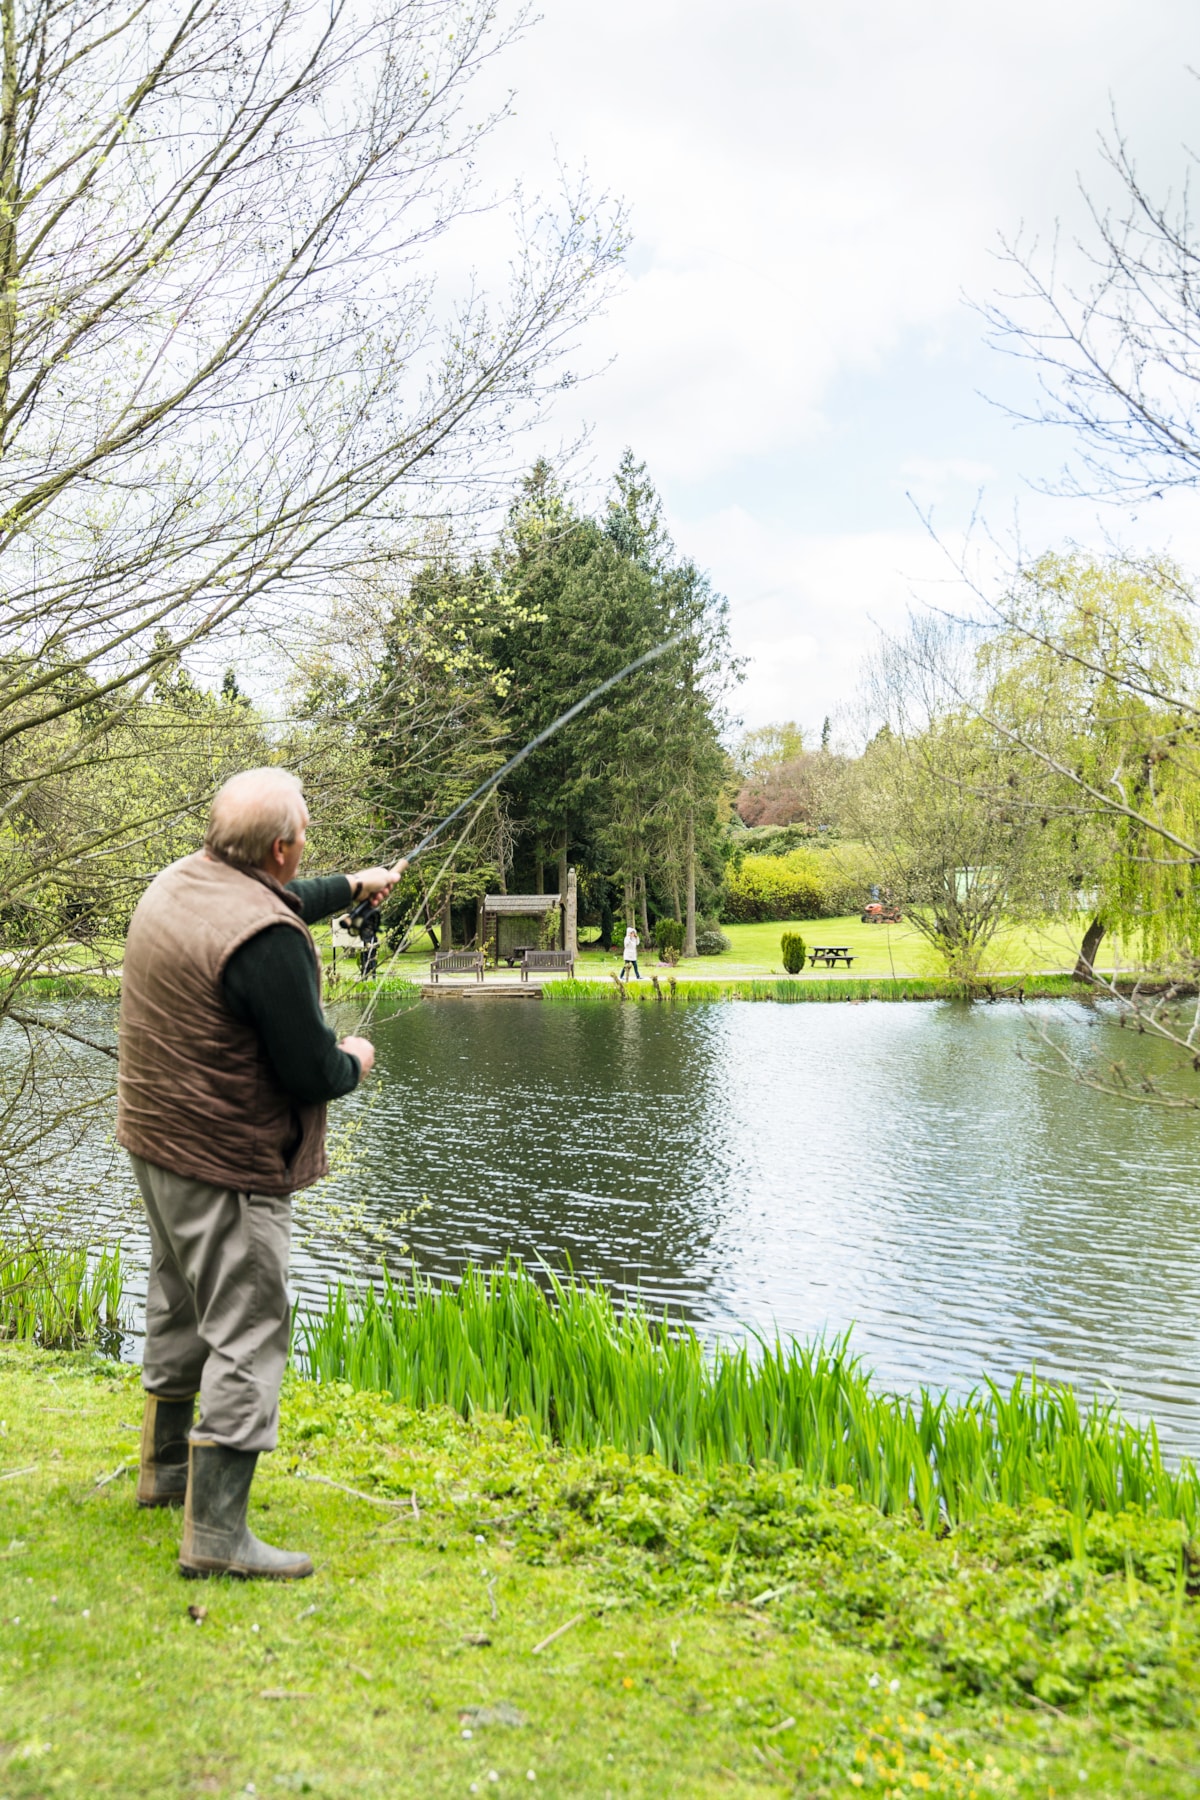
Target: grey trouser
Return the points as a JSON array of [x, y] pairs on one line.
[[217, 1310]]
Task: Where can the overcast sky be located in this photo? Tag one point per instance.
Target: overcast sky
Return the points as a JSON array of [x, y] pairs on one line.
[[813, 190]]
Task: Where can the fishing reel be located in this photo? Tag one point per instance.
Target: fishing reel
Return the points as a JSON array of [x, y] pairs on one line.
[[363, 920]]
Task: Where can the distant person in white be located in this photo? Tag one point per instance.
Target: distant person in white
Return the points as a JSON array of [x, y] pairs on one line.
[[630, 953]]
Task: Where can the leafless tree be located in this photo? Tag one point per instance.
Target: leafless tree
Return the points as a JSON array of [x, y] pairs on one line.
[[227, 375], [222, 371], [1117, 352], [942, 799]]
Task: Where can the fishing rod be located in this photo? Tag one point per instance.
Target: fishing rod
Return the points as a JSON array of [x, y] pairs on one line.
[[535, 743]]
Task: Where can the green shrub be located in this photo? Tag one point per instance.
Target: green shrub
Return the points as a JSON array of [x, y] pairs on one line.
[[848, 871], [668, 934], [803, 884], [794, 950], [775, 887], [711, 942]]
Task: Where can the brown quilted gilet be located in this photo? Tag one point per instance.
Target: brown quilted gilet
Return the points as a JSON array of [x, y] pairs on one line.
[[195, 1091]]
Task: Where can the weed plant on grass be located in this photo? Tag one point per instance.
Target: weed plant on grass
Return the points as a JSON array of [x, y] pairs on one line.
[[582, 1374]]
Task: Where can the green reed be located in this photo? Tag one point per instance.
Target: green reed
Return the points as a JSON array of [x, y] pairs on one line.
[[583, 1373], [675, 991], [81, 986], [60, 1296]]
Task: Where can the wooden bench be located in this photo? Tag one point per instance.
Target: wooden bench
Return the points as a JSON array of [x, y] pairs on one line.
[[559, 961], [830, 954], [457, 962]]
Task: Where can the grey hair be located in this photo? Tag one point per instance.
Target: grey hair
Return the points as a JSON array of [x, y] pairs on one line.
[[251, 811]]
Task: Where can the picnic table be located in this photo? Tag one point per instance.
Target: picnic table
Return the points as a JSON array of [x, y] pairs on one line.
[[830, 955]]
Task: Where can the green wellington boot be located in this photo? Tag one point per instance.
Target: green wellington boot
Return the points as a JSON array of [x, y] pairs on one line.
[[162, 1478], [216, 1538]]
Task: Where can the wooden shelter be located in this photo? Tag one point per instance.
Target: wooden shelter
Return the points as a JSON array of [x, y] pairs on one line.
[[516, 922]]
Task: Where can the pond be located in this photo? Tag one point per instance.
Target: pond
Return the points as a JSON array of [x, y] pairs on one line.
[[900, 1171]]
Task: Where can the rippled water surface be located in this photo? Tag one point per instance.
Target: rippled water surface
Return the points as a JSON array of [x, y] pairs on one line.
[[898, 1169]]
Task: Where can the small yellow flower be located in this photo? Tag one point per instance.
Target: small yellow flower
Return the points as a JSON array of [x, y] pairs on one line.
[[919, 1779]]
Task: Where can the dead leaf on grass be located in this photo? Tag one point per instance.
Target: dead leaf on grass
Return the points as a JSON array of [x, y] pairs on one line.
[[198, 1613]]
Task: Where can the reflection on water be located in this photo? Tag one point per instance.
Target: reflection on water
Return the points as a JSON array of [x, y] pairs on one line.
[[895, 1168]]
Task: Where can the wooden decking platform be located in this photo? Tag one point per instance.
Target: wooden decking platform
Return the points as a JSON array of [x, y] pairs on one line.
[[448, 988]]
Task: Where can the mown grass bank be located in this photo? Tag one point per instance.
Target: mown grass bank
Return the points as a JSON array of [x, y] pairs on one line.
[[491, 1615], [579, 1373], [670, 990]]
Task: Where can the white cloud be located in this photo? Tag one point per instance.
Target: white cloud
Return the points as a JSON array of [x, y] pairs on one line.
[[812, 189], [806, 606]]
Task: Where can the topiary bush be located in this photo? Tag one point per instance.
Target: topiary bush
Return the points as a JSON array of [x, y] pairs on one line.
[[711, 942], [668, 934], [794, 951]]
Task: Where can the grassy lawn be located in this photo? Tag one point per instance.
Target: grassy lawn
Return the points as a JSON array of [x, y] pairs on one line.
[[743, 1635], [888, 949], [878, 950]]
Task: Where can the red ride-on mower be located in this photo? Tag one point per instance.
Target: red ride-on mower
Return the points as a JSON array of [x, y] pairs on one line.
[[879, 914]]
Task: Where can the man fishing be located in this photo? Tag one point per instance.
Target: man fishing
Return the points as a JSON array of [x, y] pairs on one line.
[[226, 1069]]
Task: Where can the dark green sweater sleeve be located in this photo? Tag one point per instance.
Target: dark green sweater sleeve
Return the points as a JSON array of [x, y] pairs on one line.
[[320, 896], [270, 983]]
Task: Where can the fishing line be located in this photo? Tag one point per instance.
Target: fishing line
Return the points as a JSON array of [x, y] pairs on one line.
[[368, 1010], [572, 712], [485, 787]]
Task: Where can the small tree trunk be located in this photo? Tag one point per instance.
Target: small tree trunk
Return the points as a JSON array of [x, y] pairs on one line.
[[645, 914], [689, 930], [630, 913], [1087, 951], [9, 210], [539, 874], [502, 872], [676, 910], [562, 864], [571, 915], [447, 924]]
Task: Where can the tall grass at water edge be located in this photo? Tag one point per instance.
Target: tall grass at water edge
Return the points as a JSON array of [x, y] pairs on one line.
[[60, 1297], [673, 991], [584, 1374]]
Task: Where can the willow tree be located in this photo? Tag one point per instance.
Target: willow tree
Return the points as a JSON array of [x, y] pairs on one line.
[[1090, 675], [1116, 349]]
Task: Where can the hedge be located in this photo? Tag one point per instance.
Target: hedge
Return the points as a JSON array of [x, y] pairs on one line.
[[804, 884]]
